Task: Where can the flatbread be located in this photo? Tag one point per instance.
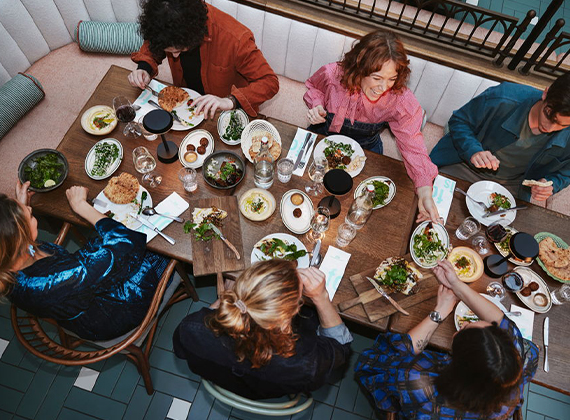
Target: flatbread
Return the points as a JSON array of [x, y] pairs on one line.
[[555, 259], [532, 182], [274, 146], [171, 97], [122, 189]]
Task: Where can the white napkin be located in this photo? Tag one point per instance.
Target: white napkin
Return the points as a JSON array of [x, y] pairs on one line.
[[333, 266], [524, 322], [295, 148], [173, 205], [145, 96], [443, 195]]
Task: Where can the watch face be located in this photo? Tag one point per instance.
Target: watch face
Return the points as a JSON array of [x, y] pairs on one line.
[[435, 316]]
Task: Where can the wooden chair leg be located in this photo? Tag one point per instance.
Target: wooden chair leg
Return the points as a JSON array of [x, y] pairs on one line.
[[141, 361], [220, 283], [190, 290]]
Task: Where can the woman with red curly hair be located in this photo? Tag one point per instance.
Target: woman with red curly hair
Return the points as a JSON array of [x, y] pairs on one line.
[[363, 93], [259, 342]]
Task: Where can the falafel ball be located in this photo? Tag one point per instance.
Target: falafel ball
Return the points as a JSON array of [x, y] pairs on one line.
[[204, 141], [190, 148], [201, 150], [297, 212]]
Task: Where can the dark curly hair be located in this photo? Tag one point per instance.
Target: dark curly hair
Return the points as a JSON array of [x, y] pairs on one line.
[[558, 96], [173, 23]]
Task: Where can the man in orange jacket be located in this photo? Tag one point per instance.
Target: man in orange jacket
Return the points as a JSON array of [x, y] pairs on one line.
[[208, 51]]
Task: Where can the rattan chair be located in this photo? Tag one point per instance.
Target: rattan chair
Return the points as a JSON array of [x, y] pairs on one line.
[[136, 344]]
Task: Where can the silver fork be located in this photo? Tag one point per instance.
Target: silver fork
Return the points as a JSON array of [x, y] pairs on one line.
[[303, 162], [471, 198]]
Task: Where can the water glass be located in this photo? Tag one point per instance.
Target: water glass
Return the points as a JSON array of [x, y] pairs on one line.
[[561, 295], [285, 170], [467, 228], [496, 290], [319, 223], [188, 178], [481, 244], [147, 134], [316, 173], [345, 234], [145, 163]]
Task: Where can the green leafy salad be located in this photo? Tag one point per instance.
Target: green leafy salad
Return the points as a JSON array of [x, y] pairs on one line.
[[381, 191], [105, 155], [498, 202], [44, 171], [275, 248], [234, 128], [428, 247], [397, 275]]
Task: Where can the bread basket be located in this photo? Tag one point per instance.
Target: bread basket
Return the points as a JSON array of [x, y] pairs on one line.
[[255, 128]]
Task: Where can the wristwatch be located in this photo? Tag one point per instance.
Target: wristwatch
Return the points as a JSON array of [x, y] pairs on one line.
[[435, 317], [234, 101]]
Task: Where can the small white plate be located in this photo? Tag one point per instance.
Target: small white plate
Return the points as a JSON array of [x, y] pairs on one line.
[[443, 237], [90, 160], [298, 225], [257, 255], [481, 191], [388, 181], [194, 138], [338, 138], [184, 114], [97, 111], [529, 276], [461, 309], [121, 211], [504, 253], [224, 120]]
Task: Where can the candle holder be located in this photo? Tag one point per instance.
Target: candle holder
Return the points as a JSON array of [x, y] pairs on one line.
[[336, 182], [159, 121]]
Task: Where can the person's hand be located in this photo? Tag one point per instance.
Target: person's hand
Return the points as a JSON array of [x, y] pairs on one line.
[[22, 193], [445, 274], [427, 210], [314, 282], [485, 159], [77, 197], [446, 301], [139, 78], [317, 115], [541, 193], [209, 104]]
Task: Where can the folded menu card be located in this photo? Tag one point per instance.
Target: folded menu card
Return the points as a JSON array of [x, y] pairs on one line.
[[173, 205], [333, 266], [296, 146], [524, 322], [442, 195]]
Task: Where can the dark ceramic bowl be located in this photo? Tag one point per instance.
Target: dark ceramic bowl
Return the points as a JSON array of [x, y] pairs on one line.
[[29, 161], [213, 163]]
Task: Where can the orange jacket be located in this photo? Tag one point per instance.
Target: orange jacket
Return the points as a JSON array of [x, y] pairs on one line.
[[231, 63]]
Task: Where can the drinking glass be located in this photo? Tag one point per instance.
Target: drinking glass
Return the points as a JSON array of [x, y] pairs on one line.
[[145, 163], [126, 113], [316, 173], [188, 178], [345, 234], [561, 295], [319, 223], [513, 281], [481, 244], [467, 228], [285, 170], [496, 290], [147, 134]]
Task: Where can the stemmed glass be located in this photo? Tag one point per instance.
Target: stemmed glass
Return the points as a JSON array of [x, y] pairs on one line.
[[316, 173], [319, 223], [145, 163], [126, 113]]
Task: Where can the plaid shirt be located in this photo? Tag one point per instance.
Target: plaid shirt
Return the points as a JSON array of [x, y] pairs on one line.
[[401, 381]]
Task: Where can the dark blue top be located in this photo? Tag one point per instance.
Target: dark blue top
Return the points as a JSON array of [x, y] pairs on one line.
[[99, 292]]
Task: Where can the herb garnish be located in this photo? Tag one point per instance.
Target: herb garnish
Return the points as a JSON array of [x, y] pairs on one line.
[[203, 232], [105, 155], [144, 195], [102, 122], [279, 249], [381, 191], [46, 168]]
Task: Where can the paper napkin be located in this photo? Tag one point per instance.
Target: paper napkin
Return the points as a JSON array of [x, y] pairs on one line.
[[296, 146], [443, 195], [145, 96], [173, 205], [525, 322], [333, 266]]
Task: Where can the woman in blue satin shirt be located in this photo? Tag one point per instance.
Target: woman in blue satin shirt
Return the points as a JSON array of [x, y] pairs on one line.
[[100, 292]]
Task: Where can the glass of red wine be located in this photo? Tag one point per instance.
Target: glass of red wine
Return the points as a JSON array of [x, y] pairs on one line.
[[126, 113]]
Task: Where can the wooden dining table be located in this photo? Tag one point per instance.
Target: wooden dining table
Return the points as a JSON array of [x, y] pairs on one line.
[[386, 233]]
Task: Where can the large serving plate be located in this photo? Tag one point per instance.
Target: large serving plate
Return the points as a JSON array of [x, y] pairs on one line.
[[462, 309], [477, 267], [481, 191], [560, 243], [191, 120], [531, 301], [268, 201], [194, 138], [298, 225], [258, 128], [338, 138], [443, 237], [391, 189], [98, 111], [90, 160], [511, 231], [257, 255], [121, 211], [224, 121], [31, 158]]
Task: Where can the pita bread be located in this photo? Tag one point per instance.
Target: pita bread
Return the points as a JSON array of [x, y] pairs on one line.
[[122, 189], [556, 260], [531, 182], [274, 147], [171, 97]]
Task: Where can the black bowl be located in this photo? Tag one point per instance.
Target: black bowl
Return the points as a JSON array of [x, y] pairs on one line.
[[212, 165], [39, 153]]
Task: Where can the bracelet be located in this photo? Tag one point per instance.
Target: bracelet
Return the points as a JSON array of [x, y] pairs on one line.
[[234, 101]]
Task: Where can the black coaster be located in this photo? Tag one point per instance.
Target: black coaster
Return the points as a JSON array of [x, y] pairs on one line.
[[492, 266], [332, 203], [337, 182]]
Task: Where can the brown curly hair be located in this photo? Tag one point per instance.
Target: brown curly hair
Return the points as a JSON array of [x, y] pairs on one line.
[[270, 291], [369, 54]]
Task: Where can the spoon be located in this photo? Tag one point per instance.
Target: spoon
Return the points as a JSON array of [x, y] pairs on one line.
[[317, 260], [149, 211], [515, 313]]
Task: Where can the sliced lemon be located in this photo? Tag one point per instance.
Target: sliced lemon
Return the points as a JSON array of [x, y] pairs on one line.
[[49, 183]]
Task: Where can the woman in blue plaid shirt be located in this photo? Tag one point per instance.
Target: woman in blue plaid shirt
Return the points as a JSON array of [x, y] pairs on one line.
[[483, 379]]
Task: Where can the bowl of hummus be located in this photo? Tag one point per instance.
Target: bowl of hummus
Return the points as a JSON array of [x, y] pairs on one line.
[[467, 264], [257, 204], [99, 120]]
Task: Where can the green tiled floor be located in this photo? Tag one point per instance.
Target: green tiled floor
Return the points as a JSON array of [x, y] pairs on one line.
[[32, 389]]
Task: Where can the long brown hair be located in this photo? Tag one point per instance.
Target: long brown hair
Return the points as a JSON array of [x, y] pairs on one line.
[[369, 54], [270, 291]]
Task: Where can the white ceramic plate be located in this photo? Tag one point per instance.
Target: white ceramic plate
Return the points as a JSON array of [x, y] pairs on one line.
[[481, 191], [269, 199], [194, 138], [443, 237], [257, 255], [298, 225], [388, 181], [90, 160], [189, 117], [257, 128], [224, 120], [337, 138], [98, 111], [504, 253], [121, 211], [529, 276], [461, 309]]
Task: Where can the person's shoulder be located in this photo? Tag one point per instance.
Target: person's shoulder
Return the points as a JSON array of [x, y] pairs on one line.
[[226, 25], [512, 91]]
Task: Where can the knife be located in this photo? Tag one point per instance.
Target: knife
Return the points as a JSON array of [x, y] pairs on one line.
[[154, 104], [315, 253], [388, 297], [545, 341], [302, 152], [153, 227], [228, 243], [495, 213], [303, 161]]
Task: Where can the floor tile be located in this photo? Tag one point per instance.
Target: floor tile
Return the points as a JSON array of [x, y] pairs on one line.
[[362, 405], [167, 361], [109, 375], [86, 379], [14, 353], [3, 346], [202, 404], [322, 411], [326, 394], [531, 415], [6, 330], [136, 410], [547, 406], [173, 318], [15, 377], [339, 414], [127, 382], [158, 407], [10, 398], [179, 409], [173, 385], [67, 414], [94, 405], [36, 393], [219, 411], [537, 389], [58, 391]]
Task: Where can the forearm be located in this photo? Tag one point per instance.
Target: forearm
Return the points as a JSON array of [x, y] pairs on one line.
[[328, 316], [87, 212], [422, 333]]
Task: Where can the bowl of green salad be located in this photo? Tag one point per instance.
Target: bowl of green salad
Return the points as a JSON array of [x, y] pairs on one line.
[[46, 169]]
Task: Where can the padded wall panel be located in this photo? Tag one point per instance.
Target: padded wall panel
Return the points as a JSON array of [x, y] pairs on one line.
[[254, 19], [484, 85], [300, 50], [348, 42], [228, 7], [72, 12], [12, 57], [417, 66], [275, 37], [4, 76], [433, 82], [460, 89], [126, 10], [100, 10], [49, 22], [329, 48]]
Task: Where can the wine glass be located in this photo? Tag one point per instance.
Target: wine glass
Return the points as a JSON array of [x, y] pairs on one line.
[[126, 113], [145, 163], [316, 172], [496, 290], [319, 223]]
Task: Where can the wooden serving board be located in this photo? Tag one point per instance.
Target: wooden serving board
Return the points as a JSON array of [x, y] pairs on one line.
[[377, 307], [214, 256]]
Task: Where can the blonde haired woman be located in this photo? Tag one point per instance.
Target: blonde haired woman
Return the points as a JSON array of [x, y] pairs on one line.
[[259, 342]]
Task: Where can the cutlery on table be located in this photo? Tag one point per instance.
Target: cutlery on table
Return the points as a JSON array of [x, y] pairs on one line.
[[153, 227], [545, 341], [496, 213], [154, 92], [459, 190], [303, 161], [154, 104], [301, 152], [100, 203], [515, 313], [316, 256], [150, 211], [228, 243], [388, 297]]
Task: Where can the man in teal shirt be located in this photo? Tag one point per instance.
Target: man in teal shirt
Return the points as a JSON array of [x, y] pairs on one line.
[[510, 133]]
